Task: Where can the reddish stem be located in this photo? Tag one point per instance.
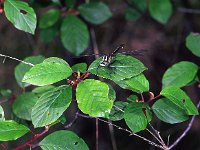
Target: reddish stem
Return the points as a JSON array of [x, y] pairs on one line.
[[36, 136]]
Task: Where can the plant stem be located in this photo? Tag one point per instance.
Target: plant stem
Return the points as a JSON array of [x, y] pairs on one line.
[[185, 132], [6, 56], [32, 139]]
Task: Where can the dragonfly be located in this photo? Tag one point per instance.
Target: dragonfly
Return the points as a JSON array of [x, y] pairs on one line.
[[107, 59]]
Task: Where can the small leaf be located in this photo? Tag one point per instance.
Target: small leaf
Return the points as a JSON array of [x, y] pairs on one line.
[[95, 12], [47, 73], [120, 68], [117, 112], [192, 43], [133, 13], [70, 3], [137, 115], [51, 106], [2, 118], [132, 98], [49, 18], [63, 140], [11, 130], [93, 98], [180, 98], [138, 84], [22, 68], [180, 74], [74, 35], [5, 92], [160, 10], [48, 35], [80, 67], [23, 105], [169, 112], [21, 15]]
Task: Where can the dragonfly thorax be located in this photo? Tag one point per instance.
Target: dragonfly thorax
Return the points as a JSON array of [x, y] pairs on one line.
[[105, 61]]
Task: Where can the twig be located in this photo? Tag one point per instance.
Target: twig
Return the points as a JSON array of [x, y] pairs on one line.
[[126, 130], [114, 145], [97, 134], [3, 101], [189, 10], [6, 56], [32, 139], [185, 132], [72, 122]]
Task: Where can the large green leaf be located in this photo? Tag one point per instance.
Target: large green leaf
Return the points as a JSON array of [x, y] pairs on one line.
[[11, 130], [117, 112], [95, 12], [63, 140], [21, 15], [192, 43], [47, 35], [23, 105], [48, 72], [160, 10], [181, 99], [49, 18], [22, 68], [169, 112], [137, 116], [51, 106], [93, 98], [121, 67], [2, 118], [74, 35], [180, 74], [137, 84]]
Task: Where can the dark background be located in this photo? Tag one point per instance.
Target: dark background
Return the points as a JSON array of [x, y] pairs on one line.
[[165, 45]]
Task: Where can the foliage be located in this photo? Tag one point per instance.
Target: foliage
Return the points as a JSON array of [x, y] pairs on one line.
[[44, 106]]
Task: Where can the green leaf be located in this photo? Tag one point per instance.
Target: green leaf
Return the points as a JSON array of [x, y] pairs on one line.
[[2, 118], [5, 92], [181, 99], [133, 13], [23, 105], [192, 43], [47, 73], [132, 98], [63, 140], [95, 12], [137, 115], [21, 15], [11, 130], [48, 35], [80, 67], [120, 68], [70, 3], [169, 112], [56, 60], [49, 18], [22, 68], [117, 112], [138, 84], [41, 90], [51, 106], [180, 74], [74, 35], [93, 98], [161, 11]]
